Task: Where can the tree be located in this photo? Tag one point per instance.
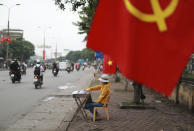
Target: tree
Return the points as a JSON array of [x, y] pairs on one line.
[[22, 49], [18, 49], [84, 54]]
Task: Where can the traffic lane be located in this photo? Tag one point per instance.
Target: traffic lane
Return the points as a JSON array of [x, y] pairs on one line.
[[18, 99]]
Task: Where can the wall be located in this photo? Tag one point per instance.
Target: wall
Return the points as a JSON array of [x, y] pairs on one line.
[[185, 96]]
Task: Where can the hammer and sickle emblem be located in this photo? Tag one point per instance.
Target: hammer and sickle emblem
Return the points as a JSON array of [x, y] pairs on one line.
[[158, 15]]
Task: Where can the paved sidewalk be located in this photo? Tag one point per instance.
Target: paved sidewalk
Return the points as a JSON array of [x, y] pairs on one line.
[[161, 114], [55, 112]]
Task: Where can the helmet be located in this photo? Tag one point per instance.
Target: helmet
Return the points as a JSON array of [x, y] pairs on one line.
[[38, 61], [15, 60]]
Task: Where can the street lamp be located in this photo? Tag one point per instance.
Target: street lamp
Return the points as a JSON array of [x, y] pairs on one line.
[[9, 10], [44, 52]]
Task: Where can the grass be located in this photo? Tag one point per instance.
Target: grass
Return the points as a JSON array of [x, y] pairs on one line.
[[188, 75]]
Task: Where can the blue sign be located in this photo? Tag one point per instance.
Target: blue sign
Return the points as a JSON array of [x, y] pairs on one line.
[[99, 54]]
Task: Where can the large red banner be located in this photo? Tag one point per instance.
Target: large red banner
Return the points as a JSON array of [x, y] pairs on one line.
[[150, 40]]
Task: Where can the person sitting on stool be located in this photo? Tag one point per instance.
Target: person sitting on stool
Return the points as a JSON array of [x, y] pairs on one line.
[[104, 87]]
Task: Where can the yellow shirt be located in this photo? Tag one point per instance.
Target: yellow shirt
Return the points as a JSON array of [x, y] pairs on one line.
[[105, 92]]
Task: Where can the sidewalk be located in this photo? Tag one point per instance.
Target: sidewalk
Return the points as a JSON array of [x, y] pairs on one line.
[[161, 114], [53, 113]]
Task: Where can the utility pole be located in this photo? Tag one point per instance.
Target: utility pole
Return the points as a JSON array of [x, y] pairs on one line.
[[44, 45], [56, 53], [9, 10]]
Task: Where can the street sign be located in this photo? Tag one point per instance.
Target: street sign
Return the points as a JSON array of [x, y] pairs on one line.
[[42, 46]]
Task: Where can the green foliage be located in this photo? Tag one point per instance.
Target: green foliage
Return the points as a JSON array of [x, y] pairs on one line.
[[86, 16], [84, 54], [2, 50], [75, 3], [188, 75], [18, 49]]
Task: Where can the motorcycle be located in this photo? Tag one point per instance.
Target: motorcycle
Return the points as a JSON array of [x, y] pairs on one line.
[[72, 67], [37, 81], [55, 72], [14, 76], [83, 67], [68, 69], [77, 67], [23, 71]]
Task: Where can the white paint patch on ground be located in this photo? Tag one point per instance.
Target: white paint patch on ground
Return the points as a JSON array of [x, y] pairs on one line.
[[157, 101], [66, 86], [48, 98]]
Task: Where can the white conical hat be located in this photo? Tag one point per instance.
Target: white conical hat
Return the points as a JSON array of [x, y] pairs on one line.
[[104, 78]]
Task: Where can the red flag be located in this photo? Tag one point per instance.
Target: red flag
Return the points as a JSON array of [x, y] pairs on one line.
[[2, 39], [8, 39], [109, 66], [43, 55], [151, 41]]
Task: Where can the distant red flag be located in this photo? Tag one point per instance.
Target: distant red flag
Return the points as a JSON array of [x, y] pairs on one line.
[[7, 39], [2, 39], [44, 54], [151, 41], [109, 65]]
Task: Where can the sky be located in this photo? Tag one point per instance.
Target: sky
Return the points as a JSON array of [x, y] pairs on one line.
[[37, 17]]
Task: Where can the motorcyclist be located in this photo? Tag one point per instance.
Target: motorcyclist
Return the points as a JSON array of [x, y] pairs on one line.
[[84, 65], [40, 71], [15, 68], [55, 67], [23, 67]]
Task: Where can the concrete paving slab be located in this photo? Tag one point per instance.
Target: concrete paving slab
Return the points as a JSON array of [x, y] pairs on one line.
[[45, 116], [63, 126], [49, 108]]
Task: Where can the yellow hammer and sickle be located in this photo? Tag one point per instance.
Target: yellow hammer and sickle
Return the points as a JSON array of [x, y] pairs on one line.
[[158, 15]]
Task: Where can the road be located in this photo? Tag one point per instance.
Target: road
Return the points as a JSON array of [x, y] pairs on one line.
[[16, 100]]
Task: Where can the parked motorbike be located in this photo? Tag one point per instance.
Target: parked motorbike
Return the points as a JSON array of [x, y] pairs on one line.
[[77, 68], [72, 67], [37, 81], [15, 76]]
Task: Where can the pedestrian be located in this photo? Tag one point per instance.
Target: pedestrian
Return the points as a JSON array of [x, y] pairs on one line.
[[104, 87]]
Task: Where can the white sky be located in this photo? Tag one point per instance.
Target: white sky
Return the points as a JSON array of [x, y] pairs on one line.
[[32, 14]]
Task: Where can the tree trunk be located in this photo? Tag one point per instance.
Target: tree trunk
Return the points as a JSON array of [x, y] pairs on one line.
[[177, 90], [126, 84], [137, 93]]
